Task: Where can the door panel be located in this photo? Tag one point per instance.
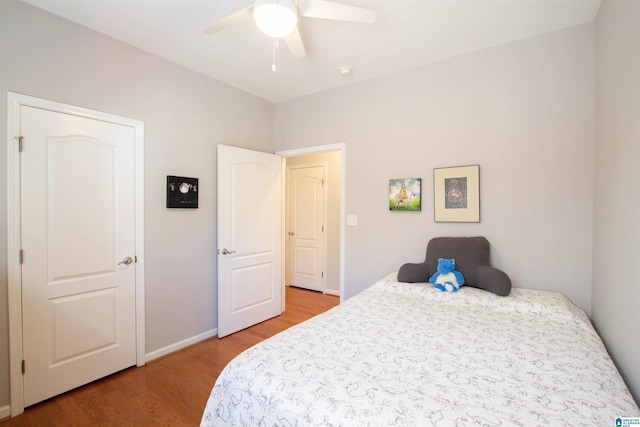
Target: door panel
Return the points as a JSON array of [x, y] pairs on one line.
[[306, 227], [253, 210], [67, 248], [245, 293], [249, 238], [78, 221], [83, 323]]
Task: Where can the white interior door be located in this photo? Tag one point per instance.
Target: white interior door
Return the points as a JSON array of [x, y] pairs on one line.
[[306, 235], [249, 238], [78, 224]]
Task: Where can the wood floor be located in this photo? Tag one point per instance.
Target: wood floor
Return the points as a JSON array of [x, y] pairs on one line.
[[170, 391]]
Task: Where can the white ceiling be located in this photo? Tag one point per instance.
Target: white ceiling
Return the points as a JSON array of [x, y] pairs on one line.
[[406, 34]]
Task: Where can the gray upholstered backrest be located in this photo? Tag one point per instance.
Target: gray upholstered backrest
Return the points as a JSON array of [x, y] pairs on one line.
[[469, 253], [472, 260]]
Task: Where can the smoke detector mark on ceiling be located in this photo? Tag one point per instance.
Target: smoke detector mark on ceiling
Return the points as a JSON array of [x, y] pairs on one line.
[[345, 71]]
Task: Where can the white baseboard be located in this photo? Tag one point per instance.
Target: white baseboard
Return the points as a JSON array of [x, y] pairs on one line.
[[180, 345], [332, 292], [5, 412]]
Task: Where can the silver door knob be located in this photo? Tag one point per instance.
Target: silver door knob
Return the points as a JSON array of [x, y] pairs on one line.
[[227, 252], [128, 260]]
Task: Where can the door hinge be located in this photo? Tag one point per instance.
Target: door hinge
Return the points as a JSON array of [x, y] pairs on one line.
[[21, 256], [322, 180], [323, 274], [24, 367], [135, 258], [322, 229], [20, 139]]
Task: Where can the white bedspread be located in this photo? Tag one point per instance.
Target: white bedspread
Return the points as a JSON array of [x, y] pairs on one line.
[[407, 355]]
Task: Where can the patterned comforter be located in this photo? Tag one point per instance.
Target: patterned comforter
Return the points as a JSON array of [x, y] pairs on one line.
[[405, 354]]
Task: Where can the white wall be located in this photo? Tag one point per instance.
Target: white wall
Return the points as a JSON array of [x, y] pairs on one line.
[[185, 114], [524, 112], [616, 265], [333, 162]]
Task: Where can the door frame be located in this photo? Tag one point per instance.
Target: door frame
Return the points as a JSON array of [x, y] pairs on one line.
[[14, 241], [342, 148]]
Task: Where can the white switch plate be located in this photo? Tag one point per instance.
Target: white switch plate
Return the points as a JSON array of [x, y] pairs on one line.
[[352, 219]]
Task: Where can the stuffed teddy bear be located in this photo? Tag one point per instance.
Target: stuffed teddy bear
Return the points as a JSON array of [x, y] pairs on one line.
[[447, 279]]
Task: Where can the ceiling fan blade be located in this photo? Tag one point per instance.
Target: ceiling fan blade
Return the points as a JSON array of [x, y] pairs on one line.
[[340, 12], [294, 43], [242, 15]]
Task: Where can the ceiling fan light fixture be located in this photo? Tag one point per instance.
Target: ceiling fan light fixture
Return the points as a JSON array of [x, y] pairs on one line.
[[275, 18]]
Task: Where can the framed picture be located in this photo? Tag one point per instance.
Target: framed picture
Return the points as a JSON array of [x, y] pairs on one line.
[[182, 192], [456, 193], [404, 194]]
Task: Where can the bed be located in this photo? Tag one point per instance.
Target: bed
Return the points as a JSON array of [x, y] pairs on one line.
[[406, 354]]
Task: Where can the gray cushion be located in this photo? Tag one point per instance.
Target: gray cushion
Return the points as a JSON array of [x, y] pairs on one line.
[[469, 253], [493, 280], [472, 260], [414, 273]]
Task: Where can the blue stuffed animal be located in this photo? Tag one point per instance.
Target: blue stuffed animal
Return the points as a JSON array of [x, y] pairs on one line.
[[447, 279]]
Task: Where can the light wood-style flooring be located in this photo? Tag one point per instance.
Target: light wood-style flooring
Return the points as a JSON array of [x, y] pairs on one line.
[[170, 391]]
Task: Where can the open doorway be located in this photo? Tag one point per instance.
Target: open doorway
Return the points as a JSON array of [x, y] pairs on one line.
[[314, 206], [312, 231]]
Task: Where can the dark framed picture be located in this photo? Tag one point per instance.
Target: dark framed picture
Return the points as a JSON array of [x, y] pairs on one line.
[[182, 192], [456, 192], [405, 194]]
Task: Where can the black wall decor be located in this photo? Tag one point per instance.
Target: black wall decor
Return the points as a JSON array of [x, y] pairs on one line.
[[182, 192]]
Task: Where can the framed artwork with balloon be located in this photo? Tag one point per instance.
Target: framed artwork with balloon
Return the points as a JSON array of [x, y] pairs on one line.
[[405, 194]]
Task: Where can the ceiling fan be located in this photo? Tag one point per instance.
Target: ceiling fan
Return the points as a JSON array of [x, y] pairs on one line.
[[279, 18]]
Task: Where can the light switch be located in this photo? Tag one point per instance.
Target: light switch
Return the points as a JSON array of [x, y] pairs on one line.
[[352, 219]]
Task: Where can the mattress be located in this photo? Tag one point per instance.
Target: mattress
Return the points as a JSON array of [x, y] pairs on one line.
[[405, 354]]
